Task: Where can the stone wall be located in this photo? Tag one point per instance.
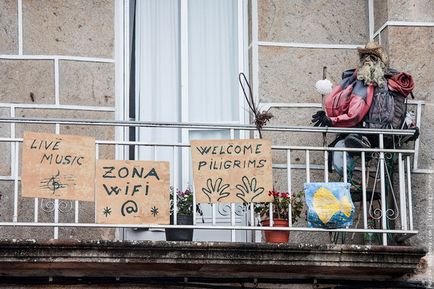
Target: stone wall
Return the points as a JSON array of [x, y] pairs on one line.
[[56, 61], [288, 72], [316, 34], [410, 48]]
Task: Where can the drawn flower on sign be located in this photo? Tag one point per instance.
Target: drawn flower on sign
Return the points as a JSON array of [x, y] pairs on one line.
[[154, 211], [107, 211]]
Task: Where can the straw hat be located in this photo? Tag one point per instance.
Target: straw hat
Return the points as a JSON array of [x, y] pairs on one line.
[[375, 49]]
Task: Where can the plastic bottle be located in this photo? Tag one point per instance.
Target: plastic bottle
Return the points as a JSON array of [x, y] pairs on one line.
[[370, 238]]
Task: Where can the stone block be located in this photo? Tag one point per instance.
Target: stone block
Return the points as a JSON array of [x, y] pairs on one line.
[[6, 201], [290, 74], [87, 233], [62, 27], [426, 145], [25, 213], [411, 50], [86, 214], [383, 39], [87, 83], [404, 10], [295, 117], [331, 22], [5, 147], [298, 178], [28, 113], [8, 27], [380, 13], [422, 204], [99, 132], [21, 78]]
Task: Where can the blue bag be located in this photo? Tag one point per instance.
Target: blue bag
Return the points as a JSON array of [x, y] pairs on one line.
[[329, 205]]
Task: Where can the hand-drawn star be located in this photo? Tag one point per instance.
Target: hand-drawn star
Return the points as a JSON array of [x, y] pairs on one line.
[[154, 211], [107, 211]]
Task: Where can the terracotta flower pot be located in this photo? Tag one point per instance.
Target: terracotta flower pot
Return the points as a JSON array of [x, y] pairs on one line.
[[276, 236]]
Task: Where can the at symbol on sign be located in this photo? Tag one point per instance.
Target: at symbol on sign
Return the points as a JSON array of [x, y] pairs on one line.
[[129, 207]]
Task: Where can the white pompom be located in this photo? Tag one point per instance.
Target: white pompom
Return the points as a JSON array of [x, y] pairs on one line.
[[323, 86]]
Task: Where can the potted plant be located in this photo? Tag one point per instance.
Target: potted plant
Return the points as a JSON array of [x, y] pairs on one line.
[[184, 215], [281, 201]]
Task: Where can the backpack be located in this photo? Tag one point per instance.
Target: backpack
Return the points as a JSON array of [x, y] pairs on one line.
[[388, 108], [382, 111], [400, 110]]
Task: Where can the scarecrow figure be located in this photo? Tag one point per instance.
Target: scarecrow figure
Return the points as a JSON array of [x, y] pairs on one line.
[[372, 95]]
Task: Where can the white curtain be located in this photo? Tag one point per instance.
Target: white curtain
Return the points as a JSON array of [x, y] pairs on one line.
[[157, 70], [212, 67], [213, 60]]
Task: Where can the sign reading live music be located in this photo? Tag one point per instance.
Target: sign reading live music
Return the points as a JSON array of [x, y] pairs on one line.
[[132, 192], [231, 171], [57, 166]]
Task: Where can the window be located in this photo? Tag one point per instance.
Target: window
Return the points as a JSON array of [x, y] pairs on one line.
[[186, 56]]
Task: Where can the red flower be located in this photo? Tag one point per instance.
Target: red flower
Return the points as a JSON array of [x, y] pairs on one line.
[[282, 201], [402, 83]]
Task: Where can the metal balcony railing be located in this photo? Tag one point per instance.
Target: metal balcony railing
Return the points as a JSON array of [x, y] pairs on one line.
[[379, 197]]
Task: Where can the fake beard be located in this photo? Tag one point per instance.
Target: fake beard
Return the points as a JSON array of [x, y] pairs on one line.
[[371, 71]]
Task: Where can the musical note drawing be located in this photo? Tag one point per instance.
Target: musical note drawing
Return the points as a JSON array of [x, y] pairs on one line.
[[53, 183]]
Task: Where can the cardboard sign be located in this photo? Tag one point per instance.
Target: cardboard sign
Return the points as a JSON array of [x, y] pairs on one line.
[[230, 171], [132, 192], [56, 166]]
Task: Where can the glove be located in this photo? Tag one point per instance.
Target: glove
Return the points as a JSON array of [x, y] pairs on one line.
[[321, 119], [415, 136]]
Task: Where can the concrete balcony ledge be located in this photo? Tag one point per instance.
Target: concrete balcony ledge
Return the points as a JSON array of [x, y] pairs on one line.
[[132, 259]]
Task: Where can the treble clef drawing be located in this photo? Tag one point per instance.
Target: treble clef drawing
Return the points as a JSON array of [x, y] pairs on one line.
[[53, 183]]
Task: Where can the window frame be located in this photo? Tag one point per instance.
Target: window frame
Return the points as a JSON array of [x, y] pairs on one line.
[[124, 10]]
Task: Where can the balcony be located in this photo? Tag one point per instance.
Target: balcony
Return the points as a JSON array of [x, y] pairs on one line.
[[55, 237]]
